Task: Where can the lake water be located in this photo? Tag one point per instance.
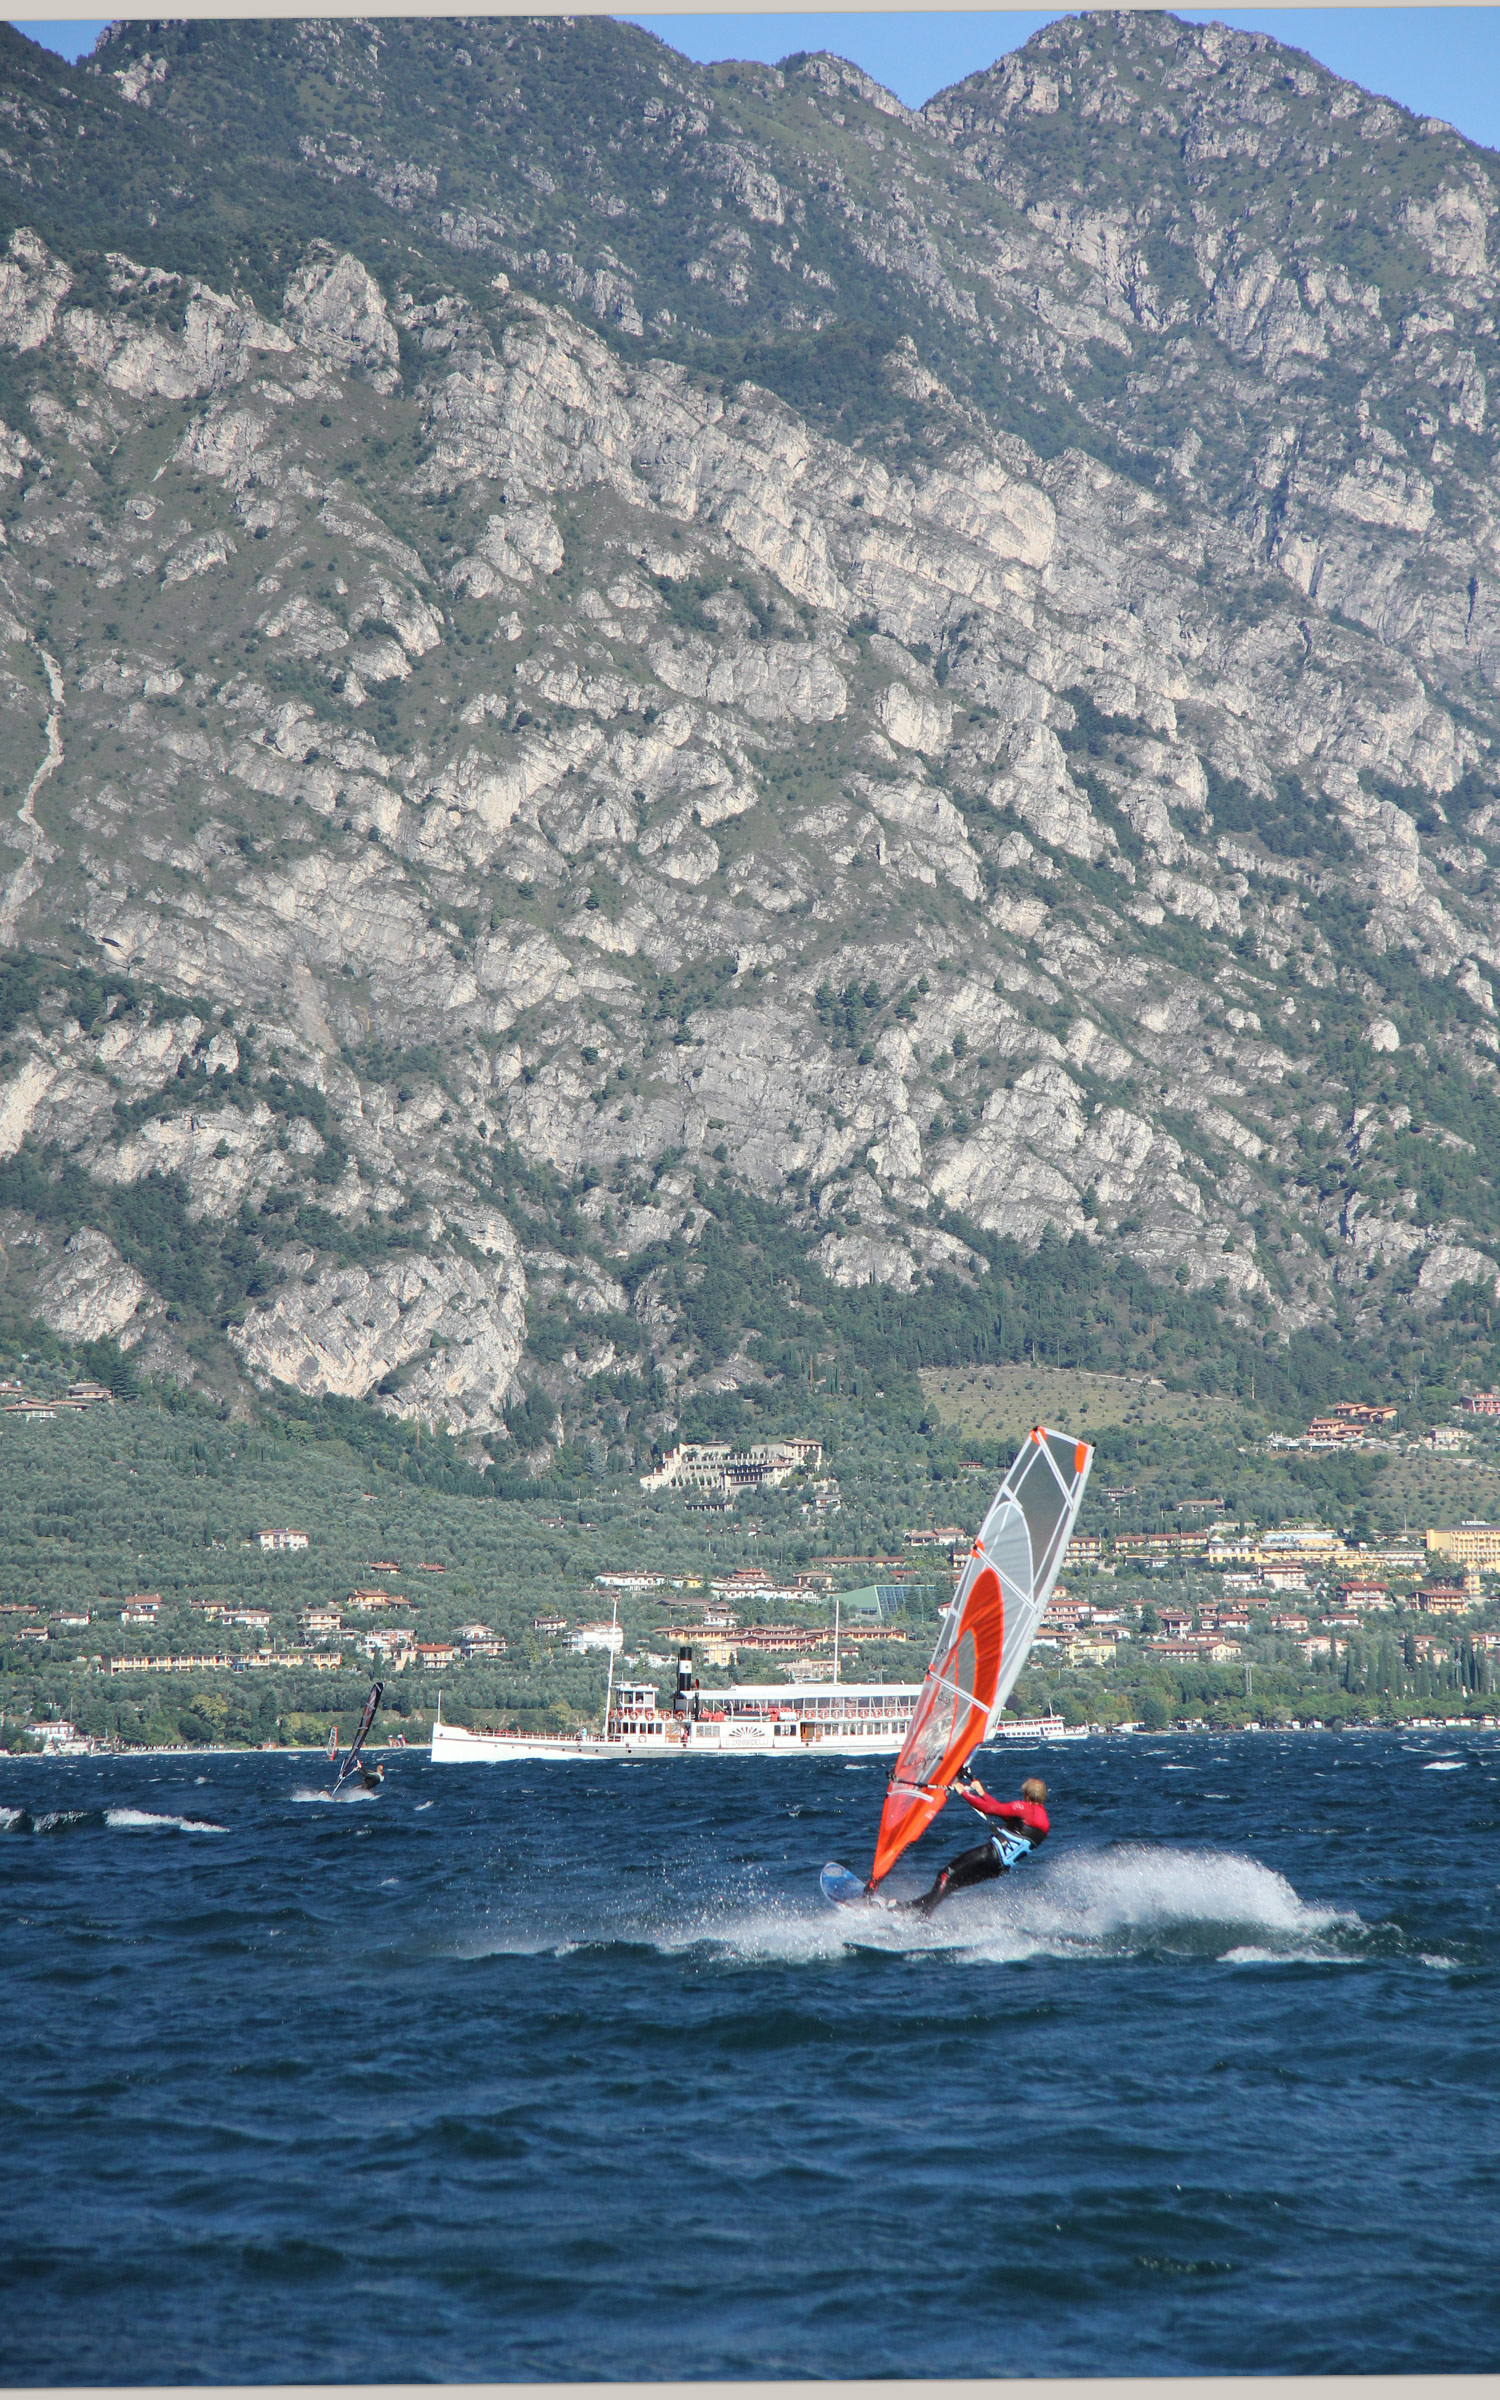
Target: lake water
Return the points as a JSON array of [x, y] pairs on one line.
[[569, 2072]]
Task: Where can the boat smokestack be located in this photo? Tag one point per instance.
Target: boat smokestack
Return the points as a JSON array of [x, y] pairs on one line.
[[682, 1701]]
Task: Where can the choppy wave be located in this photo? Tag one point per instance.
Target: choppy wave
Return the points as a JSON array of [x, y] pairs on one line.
[[306, 1797], [146, 1820], [579, 1951], [48, 1820], [1137, 1899], [116, 1820], [1130, 1901], [1261, 1954]]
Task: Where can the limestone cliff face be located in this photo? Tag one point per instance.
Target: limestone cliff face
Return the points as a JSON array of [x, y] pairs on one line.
[[440, 1335], [1039, 766], [91, 1291]]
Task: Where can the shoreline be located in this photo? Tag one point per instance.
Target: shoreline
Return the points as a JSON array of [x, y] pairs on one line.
[[1107, 1733], [58, 1756]]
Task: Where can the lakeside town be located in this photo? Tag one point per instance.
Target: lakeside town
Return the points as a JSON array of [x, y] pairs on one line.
[[1202, 1614], [1417, 1619]]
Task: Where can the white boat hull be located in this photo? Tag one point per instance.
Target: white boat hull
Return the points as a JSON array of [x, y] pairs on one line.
[[1038, 1729], [748, 1737]]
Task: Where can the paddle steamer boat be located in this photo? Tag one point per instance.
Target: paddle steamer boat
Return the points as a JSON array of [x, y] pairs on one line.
[[748, 1720]]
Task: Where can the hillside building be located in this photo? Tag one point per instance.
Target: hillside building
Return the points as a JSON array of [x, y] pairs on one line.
[[1284, 1575], [1470, 1544], [717, 1470], [596, 1637], [1361, 1595], [1447, 1599], [1348, 1422], [790, 1640]]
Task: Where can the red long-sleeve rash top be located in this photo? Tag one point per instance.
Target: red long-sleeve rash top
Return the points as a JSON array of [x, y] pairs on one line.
[[1023, 1816]]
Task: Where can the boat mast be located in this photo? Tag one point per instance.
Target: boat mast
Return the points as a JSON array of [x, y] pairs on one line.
[[835, 1637], [609, 1688]]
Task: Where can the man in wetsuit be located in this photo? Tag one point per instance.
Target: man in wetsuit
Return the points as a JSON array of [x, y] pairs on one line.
[[1020, 1825]]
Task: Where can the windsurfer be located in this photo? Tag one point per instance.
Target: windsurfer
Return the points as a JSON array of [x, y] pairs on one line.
[[371, 1777], [1020, 1826]]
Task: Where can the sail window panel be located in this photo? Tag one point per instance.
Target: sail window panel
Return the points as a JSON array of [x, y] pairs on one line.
[[1046, 1504], [1008, 1546], [927, 1742], [964, 1670], [1068, 1456]]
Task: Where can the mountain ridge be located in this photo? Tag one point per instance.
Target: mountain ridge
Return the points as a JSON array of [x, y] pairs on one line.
[[665, 843]]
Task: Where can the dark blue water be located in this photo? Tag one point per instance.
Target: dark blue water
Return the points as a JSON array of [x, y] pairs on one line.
[[569, 2072]]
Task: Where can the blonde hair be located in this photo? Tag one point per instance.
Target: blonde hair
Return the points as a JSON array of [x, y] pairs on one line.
[[1033, 1788]]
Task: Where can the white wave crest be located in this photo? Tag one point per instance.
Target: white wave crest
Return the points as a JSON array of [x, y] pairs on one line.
[[306, 1797], [775, 1936], [1137, 1898], [1128, 1901], [145, 1820], [1261, 1954]]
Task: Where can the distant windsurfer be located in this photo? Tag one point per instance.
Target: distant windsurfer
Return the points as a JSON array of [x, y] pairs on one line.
[[1020, 1827], [371, 1777]]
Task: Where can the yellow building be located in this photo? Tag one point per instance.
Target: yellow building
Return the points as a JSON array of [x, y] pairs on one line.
[[1473, 1545]]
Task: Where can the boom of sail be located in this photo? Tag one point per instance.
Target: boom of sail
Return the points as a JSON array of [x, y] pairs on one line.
[[986, 1632]]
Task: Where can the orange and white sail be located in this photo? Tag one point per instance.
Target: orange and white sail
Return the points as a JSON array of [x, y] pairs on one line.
[[986, 1632]]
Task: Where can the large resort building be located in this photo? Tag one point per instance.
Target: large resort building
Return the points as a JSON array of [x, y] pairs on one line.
[[718, 1468]]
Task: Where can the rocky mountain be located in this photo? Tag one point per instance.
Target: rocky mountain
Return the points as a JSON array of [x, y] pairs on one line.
[[672, 734]]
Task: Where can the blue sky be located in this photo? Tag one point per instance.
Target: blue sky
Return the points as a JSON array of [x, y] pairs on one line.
[[1441, 62]]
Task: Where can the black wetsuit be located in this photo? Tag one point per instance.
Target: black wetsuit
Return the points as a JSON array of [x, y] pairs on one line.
[[1023, 1819]]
